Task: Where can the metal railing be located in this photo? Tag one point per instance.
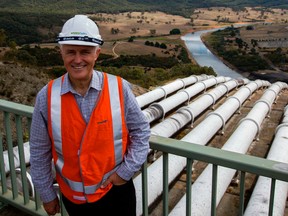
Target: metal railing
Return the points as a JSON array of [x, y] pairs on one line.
[[218, 157], [20, 117]]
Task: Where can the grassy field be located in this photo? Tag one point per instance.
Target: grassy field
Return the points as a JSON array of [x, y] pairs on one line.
[[141, 24], [156, 26]]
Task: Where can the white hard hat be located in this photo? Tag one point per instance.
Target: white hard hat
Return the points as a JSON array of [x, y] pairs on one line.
[[80, 30]]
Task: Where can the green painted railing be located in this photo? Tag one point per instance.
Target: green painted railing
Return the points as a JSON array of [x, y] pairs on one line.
[[17, 120], [217, 157]]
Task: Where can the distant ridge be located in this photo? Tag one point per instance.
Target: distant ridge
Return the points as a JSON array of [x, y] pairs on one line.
[[181, 7]]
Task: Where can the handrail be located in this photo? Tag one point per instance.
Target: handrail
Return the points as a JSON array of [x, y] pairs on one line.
[[244, 163], [18, 114], [218, 157], [16, 108]]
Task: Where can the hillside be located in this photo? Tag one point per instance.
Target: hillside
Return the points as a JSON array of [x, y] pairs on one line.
[[183, 7], [20, 84], [258, 52], [117, 45]]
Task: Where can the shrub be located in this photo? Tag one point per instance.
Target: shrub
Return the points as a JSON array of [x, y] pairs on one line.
[[175, 31]]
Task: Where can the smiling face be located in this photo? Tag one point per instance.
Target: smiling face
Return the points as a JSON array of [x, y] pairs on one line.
[[79, 61]]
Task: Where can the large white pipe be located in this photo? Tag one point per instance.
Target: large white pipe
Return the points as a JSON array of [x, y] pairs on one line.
[[165, 90], [216, 120], [188, 113], [258, 203], [176, 163], [158, 110], [16, 157], [239, 141]]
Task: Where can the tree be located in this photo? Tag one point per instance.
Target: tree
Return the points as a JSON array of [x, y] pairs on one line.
[[148, 43], [250, 28], [3, 37], [24, 57], [175, 31], [12, 45], [152, 31], [131, 39], [233, 34], [163, 46], [114, 31], [254, 42], [133, 30]]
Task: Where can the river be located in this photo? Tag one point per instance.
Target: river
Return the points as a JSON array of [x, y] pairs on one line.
[[204, 57]]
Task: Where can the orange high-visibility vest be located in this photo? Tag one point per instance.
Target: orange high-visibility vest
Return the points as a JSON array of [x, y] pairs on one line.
[[86, 154]]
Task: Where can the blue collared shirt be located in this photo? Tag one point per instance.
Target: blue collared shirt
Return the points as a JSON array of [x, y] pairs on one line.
[[40, 145]]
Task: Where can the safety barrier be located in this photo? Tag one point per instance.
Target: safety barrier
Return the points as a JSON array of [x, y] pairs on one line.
[[17, 118], [218, 157], [20, 116]]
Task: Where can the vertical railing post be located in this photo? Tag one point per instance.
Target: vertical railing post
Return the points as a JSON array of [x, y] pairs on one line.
[[165, 184], [214, 189], [11, 154], [188, 186], [2, 172], [29, 122], [242, 193], [63, 210], [22, 159], [37, 200], [144, 190], [272, 195], [2, 168]]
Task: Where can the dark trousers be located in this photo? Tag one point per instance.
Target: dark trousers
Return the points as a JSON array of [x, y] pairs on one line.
[[120, 200]]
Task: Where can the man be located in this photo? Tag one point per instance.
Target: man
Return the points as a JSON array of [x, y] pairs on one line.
[[90, 124]]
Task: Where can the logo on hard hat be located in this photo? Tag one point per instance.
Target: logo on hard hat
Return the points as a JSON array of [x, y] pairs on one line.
[[78, 33]]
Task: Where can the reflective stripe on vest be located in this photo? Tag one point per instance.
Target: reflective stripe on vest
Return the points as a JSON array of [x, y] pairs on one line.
[[57, 136]]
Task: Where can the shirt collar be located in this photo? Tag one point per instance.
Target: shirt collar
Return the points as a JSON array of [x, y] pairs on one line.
[[95, 83]]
